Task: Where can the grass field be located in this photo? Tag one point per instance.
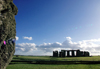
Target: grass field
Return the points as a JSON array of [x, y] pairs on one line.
[[94, 58], [54, 66]]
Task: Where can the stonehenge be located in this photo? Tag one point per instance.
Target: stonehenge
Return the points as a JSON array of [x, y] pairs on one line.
[[55, 53], [71, 53]]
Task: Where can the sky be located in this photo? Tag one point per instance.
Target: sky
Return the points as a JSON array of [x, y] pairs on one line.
[[43, 26]]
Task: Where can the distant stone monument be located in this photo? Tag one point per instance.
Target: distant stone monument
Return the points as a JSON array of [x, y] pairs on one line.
[[78, 53], [60, 54], [55, 53], [7, 30], [63, 53]]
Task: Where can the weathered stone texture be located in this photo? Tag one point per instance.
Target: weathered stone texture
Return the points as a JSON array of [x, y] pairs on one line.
[[7, 30]]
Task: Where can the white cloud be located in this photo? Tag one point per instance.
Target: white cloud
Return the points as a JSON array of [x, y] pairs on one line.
[[69, 38], [92, 40], [85, 45], [25, 47], [16, 37], [29, 38]]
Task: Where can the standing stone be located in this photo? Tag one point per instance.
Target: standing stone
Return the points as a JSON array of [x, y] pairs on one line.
[[73, 53], [68, 54], [78, 53], [82, 53], [63, 53], [7, 30], [55, 53], [86, 53], [60, 54]]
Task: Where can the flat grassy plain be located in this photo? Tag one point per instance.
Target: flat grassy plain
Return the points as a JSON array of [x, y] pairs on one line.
[[20, 65]]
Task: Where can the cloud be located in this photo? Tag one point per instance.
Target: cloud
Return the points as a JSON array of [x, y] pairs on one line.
[[68, 38], [85, 45], [29, 38], [92, 40], [16, 37], [25, 47]]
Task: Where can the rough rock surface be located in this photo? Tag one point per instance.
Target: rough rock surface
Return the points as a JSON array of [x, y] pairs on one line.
[[7, 30]]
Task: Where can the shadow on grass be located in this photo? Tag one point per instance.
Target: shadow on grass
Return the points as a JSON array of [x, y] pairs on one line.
[[55, 62], [51, 61]]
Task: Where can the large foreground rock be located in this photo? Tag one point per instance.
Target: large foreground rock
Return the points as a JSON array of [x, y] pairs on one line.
[[7, 30]]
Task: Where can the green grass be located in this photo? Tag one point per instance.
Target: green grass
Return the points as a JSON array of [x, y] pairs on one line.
[[54, 66], [38, 66], [94, 58]]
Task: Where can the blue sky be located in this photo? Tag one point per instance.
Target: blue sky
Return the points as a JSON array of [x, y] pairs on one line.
[[47, 25]]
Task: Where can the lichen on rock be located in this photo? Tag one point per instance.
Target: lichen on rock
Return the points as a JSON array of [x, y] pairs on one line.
[[7, 30]]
